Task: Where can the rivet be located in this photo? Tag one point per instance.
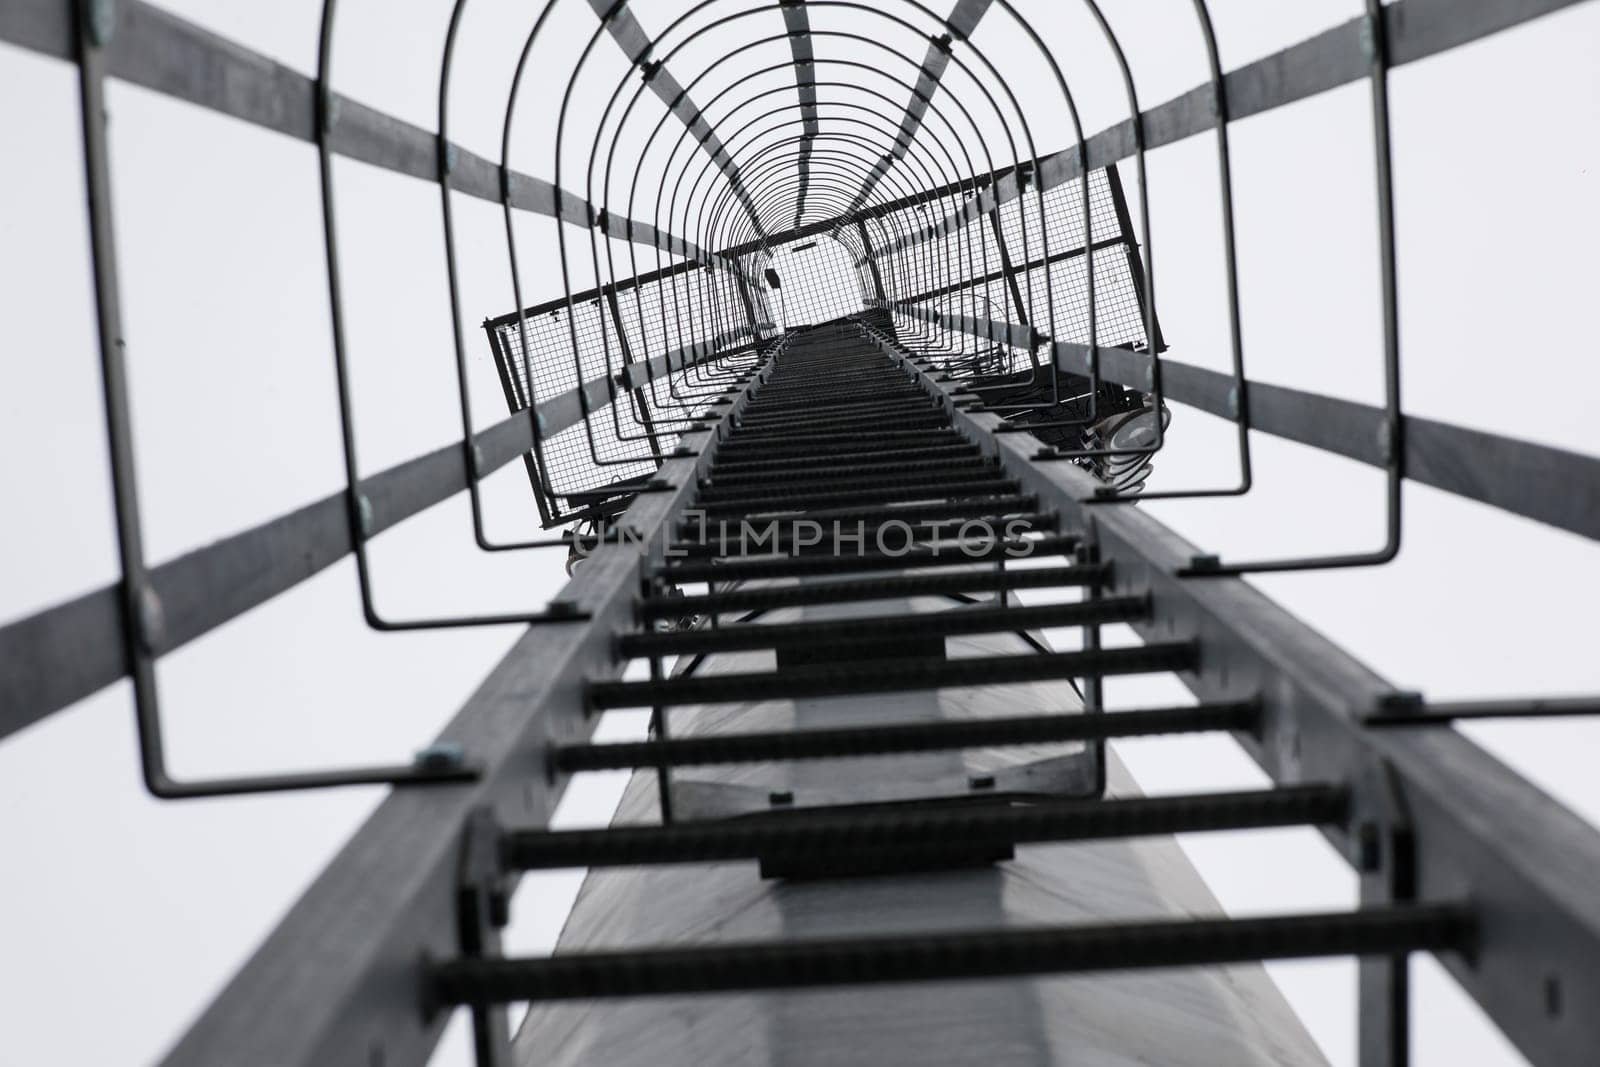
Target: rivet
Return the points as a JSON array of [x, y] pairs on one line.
[[1233, 402], [102, 20], [451, 156], [1385, 441], [981, 781], [364, 514], [440, 756], [780, 799], [330, 109], [478, 462], [1369, 39]]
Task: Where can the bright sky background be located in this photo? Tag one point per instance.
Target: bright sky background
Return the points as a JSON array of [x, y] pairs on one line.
[[121, 916]]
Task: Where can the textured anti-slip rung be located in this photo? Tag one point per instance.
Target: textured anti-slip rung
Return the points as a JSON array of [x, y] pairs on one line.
[[740, 967], [779, 443], [938, 554], [799, 464], [930, 490], [715, 539], [858, 590], [892, 675], [781, 392], [909, 511], [727, 479], [777, 419], [972, 471], [810, 831], [876, 427], [902, 738], [878, 398], [885, 629], [820, 394]]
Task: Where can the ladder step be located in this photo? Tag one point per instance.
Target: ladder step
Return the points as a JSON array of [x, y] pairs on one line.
[[973, 470], [723, 479], [910, 511], [797, 463], [940, 554], [862, 589], [814, 830], [866, 425], [707, 543], [740, 967], [901, 738], [884, 628], [935, 490], [781, 443], [888, 676]]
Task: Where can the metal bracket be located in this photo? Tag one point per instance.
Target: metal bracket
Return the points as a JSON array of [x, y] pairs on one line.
[[483, 906]]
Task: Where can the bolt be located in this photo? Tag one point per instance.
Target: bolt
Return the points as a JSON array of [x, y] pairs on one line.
[[1385, 439], [1233, 402], [781, 799], [364, 514], [1204, 563], [451, 156], [981, 781], [150, 620], [479, 465], [1369, 847], [440, 756], [1552, 996], [102, 20], [499, 907], [539, 418], [562, 609], [1369, 39]]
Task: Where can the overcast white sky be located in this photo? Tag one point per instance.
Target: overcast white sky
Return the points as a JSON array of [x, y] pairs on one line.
[[119, 916]]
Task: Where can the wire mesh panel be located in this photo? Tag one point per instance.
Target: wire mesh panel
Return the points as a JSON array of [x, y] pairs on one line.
[[619, 445], [818, 282], [963, 273]]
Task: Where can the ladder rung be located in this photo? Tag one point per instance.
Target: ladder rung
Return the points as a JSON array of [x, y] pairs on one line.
[[718, 478], [796, 833], [714, 493], [892, 675], [885, 628], [804, 500], [743, 966], [860, 589], [1040, 522], [941, 554], [725, 466], [899, 738], [907, 511]]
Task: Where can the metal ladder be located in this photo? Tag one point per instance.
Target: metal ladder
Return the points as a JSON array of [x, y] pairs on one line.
[[842, 431]]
